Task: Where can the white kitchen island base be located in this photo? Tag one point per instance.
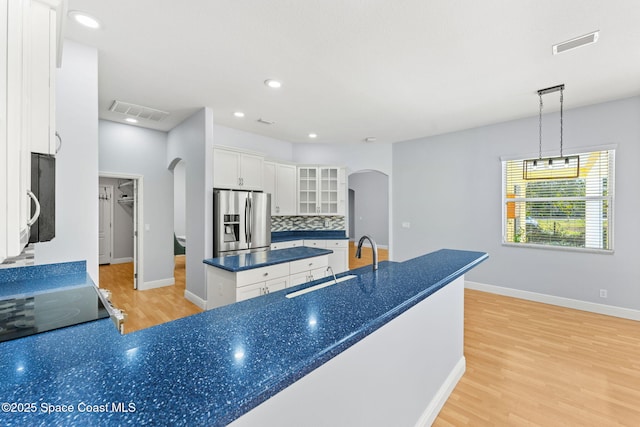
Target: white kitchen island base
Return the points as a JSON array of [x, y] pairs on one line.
[[399, 375]]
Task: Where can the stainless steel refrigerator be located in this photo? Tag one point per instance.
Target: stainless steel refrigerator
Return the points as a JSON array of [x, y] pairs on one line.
[[241, 222]]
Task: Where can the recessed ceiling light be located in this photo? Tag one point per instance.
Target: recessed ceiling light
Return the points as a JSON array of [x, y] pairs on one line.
[[313, 135], [84, 19], [131, 120], [273, 84], [576, 43], [238, 114]]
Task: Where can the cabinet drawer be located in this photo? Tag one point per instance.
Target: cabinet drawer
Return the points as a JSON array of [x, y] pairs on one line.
[[316, 243], [309, 264], [286, 244], [337, 243], [262, 274]]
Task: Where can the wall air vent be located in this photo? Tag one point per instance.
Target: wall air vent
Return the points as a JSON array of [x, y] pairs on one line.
[[137, 111], [577, 42], [265, 121]]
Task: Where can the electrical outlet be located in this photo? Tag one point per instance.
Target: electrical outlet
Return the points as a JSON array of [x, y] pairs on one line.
[[406, 225], [603, 293]]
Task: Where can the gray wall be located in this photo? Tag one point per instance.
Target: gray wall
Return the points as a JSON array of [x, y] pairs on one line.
[[179, 199], [122, 221], [133, 150], [371, 206], [76, 162], [449, 188], [191, 141]]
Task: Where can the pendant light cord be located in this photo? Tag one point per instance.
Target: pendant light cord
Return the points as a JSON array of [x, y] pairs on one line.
[[540, 129], [561, 105]]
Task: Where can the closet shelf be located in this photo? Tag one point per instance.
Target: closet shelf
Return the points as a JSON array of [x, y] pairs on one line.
[[125, 201]]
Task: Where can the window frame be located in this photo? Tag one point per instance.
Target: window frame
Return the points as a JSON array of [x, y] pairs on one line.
[[611, 202]]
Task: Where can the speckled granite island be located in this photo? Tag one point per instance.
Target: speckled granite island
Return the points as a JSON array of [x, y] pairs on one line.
[[384, 346]]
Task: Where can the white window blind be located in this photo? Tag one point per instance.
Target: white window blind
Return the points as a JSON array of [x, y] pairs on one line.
[[565, 212]]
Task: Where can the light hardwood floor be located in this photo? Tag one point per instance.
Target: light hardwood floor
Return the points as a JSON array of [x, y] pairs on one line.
[[532, 364], [149, 307], [367, 256]]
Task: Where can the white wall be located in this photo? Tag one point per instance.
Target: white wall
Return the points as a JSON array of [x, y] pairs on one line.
[[138, 151], [77, 161], [356, 157], [371, 205], [192, 142], [179, 199], [449, 188], [270, 147]]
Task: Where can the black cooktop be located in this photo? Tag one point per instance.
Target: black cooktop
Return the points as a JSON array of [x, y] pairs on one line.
[[24, 315]]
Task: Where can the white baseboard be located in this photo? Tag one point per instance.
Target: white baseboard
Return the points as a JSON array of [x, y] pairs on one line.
[[609, 310], [195, 299], [431, 412], [156, 284], [121, 260]]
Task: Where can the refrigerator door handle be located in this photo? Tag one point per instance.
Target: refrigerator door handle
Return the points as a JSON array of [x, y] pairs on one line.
[[248, 219]]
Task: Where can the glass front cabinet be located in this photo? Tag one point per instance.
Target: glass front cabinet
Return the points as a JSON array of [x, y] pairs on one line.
[[321, 190]]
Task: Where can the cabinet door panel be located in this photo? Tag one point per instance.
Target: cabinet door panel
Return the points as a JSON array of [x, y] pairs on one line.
[[251, 171], [226, 169], [251, 291], [286, 189], [277, 284], [299, 278], [42, 56], [269, 186]]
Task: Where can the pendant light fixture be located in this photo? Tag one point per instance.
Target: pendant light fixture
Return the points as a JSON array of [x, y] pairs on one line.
[[561, 167]]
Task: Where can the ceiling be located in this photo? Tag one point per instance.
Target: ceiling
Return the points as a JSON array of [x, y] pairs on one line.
[[393, 70]]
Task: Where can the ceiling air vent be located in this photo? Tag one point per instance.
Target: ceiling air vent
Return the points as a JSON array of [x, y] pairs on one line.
[[577, 42], [265, 121], [138, 111]]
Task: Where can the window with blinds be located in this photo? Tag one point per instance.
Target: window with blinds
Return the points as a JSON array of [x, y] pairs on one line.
[[562, 212]]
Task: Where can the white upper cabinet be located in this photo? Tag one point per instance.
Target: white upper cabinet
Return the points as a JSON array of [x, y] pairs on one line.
[[280, 182], [42, 54], [237, 170], [321, 190], [27, 115]]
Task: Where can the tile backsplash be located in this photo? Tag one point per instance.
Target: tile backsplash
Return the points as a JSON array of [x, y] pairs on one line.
[[296, 223], [24, 259]]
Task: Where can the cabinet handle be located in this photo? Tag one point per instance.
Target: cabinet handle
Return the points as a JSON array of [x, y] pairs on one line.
[[310, 264], [59, 138], [265, 274], [37, 213]]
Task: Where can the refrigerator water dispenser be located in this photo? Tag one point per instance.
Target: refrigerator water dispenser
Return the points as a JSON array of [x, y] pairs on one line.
[[231, 225]]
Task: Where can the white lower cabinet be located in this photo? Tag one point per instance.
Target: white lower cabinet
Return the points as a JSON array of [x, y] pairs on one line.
[[307, 270], [287, 244], [261, 288], [339, 259], [226, 287]]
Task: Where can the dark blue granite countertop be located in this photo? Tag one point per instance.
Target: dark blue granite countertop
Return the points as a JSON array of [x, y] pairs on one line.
[[284, 236], [35, 279], [242, 262], [210, 368]]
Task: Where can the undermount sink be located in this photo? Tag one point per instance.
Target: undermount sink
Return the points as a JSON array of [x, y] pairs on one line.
[[329, 282]]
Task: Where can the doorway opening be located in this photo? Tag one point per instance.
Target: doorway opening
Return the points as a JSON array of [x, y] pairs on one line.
[[368, 212], [179, 169], [120, 217]]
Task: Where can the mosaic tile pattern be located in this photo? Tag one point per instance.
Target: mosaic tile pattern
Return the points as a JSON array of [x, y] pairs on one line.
[[25, 258], [296, 223]]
